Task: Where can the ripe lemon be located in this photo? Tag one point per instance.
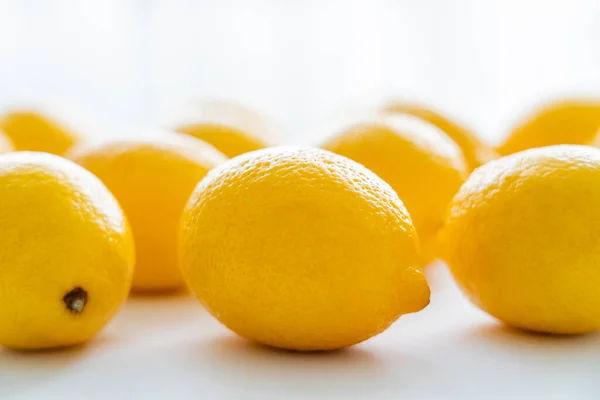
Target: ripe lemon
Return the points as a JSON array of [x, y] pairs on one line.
[[418, 160], [152, 178], [66, 255], [229, 127], [562, 122], [301, 249], [475, 151], [37, 131], [522, 239]]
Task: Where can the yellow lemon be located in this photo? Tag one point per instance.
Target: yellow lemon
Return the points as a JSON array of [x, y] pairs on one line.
[[152, 178], [229, 127], [562, 122], [37, 131], [418, 160], [66, 254], [475, 151], [522, 239], [300, 249]]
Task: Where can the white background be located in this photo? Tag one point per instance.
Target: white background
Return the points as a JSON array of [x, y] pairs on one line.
[[126, 65]]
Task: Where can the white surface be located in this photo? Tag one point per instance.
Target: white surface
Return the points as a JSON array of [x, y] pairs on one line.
[[128, 63], [171, 349]]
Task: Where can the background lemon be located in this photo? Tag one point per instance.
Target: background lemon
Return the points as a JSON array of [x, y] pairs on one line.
[[475, 151], [418, 160], [561, 122], [301, 249], [231, 128], [66, 254], [37, 131], [522, 239], [152, 178]]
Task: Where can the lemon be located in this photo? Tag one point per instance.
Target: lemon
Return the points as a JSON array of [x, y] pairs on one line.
[[152, 178], [229, 127], [522, 239], [475, 151], [561, 122], [300, 249], [66, 255], [418, 160], [38, 131]]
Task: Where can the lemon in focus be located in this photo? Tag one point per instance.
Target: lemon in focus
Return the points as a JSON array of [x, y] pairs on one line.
[[301, 249], [419, 161], [475, 151], [66, 255], [152, 178], [231, 128], [561, 122], [522, 239], [34, 130]]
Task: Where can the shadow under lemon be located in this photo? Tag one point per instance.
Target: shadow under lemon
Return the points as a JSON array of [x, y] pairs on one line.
[[534, 344], [245, 365], [22, 370]]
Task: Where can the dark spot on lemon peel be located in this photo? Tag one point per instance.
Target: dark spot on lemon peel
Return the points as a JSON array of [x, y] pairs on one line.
[[76, 300]]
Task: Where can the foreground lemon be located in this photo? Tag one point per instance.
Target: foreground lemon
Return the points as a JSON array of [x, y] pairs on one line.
[[562, 122], [475, 151], [229, 127], [419, 161], [66, 255], [37, 131], [301, 249], [152, 178], [522, 239]]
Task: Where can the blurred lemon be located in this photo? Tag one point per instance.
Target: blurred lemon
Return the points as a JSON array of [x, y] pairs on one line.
[[561, 122], [152, 178], [66, 253], [35, 130], [422, 164], [229, 127], [522, 239], [475, 151], [301, 249]]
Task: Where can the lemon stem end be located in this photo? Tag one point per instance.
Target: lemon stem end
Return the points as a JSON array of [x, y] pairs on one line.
[[76, 300]]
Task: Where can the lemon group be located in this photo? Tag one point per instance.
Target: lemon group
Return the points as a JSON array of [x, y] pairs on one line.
[[301, 249], [34, 130], [522, 239], [152, 178], [66, 254], [419, 161], [229, 127], [560, 122], [475, 151]]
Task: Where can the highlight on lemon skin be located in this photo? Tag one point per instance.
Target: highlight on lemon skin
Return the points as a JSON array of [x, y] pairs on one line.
[[419, 161], [152, 178], [39, 130], [300, 249], [522, 242], [67, 253], [569, 121], [231, 128], [475, 151], [6, 144]]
